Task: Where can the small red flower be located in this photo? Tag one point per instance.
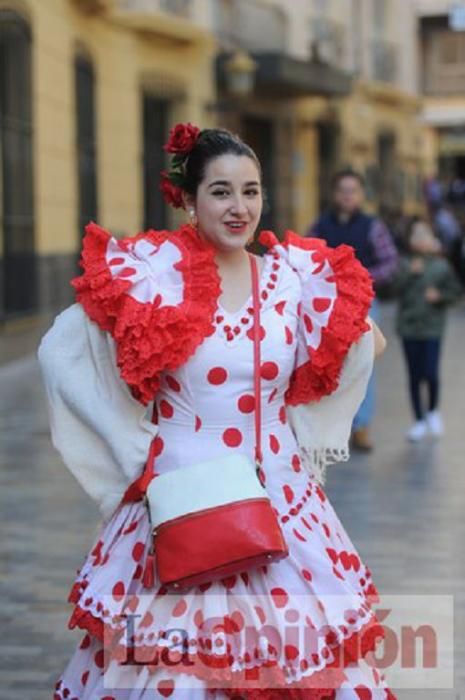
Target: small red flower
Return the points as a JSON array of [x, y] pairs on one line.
[[182, 138], [171, 192]]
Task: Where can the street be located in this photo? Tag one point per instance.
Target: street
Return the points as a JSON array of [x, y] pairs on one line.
[[403, 506]]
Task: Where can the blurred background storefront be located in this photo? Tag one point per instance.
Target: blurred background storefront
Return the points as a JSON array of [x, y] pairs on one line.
[[89, 89]]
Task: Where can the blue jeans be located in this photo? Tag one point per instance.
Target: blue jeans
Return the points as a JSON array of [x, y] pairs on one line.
[[365, 413], [422, 357]]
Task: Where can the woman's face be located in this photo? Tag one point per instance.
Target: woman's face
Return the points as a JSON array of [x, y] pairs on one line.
[[229, 202]]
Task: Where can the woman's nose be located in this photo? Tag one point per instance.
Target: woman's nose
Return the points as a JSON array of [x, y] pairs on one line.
[[239, 205]]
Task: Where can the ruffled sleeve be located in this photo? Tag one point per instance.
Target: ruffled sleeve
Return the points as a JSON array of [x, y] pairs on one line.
[[102, 433], [335, 348], [336, 294], [156, 294]]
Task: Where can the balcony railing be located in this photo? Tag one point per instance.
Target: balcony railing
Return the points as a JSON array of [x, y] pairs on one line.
[[250, 25], [384, 64], [181, 8]]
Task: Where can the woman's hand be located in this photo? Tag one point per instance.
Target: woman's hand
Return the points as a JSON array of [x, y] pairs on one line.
[[380, 340]]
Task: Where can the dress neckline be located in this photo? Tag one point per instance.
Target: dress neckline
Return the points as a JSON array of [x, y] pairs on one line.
[[233, 324], [248, 301]]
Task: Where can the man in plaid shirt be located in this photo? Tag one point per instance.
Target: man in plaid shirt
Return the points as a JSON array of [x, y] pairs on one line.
[[346, 222]]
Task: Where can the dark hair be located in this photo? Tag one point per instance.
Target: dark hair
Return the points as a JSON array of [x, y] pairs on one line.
[[210, 144], [347, 172]]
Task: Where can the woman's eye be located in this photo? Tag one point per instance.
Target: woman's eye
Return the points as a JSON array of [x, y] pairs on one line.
[[253, 192], [220, 193]]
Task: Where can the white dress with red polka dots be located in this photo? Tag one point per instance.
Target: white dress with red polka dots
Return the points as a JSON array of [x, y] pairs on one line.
[[243, 636]]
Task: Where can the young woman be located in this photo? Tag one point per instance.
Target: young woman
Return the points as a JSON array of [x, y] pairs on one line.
[[157, 357]]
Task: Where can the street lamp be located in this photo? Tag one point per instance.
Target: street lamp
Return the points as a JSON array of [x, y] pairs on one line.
[[240, 71]]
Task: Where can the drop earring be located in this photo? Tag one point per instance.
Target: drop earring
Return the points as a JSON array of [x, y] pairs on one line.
[[193, 217]]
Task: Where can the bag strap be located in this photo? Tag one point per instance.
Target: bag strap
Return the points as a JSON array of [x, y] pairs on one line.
[[257, 362], [149, 472]]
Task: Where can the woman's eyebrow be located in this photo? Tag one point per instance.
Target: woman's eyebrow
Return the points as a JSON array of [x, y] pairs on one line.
[[227, 183], [218, 182]]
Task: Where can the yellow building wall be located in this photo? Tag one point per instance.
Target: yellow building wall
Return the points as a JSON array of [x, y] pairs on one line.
[[125, 62]]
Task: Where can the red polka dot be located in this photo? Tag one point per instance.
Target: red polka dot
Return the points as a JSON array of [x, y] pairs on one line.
[[85, 677], [127, 272], [269, 370], [232, 437], [173, 383], [251, 333], [261, 614], [272, 395], [166, 409], [98, 658], [291, 652], [327, 530], [180, 608], [308, 323], [289, 336], [288, 493], [147, 620], [229, 581], [198, 424], [283, 415], [165, 688], [130, 528], [274, 444], [280, 307], [158, 446], [198, 618], [363, 692], [280, 597], [307, 575], [296, 464], [305, 523], [118, 590], [217, 375], [138, 550], [321, 304], [85, 642], [246, 403], [299, 535], [116, 261]]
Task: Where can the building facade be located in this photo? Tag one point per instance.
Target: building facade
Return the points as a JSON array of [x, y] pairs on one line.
[[442, 83], [90, 88]]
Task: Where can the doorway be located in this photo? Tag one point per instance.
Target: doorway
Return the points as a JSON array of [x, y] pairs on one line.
[[18, 283], [155, 129]]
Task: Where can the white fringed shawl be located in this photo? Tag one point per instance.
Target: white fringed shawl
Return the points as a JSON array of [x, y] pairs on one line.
[[103, 434]]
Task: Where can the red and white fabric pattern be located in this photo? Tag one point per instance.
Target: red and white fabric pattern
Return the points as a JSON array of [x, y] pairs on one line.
[[203, 396]]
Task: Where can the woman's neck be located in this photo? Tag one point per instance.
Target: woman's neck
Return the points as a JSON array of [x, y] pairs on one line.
[[231, 258]]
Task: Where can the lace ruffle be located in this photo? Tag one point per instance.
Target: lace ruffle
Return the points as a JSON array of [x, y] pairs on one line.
[[328, 325], [217, 672], [120, 291]]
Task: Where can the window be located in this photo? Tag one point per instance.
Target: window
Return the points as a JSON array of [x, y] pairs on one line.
[[155, 129], [18, 288], [86, 141]]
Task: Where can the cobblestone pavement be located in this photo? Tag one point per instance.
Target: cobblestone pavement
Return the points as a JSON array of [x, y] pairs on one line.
[[402, 505]]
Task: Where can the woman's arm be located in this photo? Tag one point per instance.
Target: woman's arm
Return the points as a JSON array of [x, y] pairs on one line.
[[380, 340]]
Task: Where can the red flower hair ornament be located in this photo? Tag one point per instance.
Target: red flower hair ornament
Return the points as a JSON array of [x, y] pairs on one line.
[[181, 141]]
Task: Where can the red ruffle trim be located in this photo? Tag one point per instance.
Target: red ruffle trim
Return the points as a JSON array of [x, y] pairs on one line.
[[318, 686], [149, 337], [320, 375]]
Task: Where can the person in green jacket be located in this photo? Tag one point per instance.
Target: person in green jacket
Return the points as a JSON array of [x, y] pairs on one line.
[[426, 286]]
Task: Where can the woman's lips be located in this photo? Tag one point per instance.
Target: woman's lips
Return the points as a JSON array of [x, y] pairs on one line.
[[236, 227]]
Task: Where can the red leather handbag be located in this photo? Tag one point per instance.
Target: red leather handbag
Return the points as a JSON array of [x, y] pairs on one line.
[[213, 519]]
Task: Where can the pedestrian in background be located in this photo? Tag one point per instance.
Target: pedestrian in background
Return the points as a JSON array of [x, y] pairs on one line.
[[346, 222], [426, 285]]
